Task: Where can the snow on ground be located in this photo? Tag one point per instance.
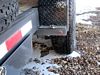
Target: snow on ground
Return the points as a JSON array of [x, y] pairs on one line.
[[82, 18], [85, 6], [74, 54]]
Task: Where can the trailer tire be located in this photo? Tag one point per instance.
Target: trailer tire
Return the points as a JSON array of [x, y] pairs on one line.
[[8, 13], [66, 44]]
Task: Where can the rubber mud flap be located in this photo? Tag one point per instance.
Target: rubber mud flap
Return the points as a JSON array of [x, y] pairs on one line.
[[52, 12]]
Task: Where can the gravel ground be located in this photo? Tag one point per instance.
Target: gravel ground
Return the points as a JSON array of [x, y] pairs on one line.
[[84, 65], [88, 40]]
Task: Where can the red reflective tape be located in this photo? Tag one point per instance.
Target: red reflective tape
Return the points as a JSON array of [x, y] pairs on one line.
[[12, 41]]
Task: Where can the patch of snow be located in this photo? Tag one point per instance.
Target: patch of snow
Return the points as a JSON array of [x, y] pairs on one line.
[[98, 63], [82, 18], [42, 68], [86, 5], [74, 54]]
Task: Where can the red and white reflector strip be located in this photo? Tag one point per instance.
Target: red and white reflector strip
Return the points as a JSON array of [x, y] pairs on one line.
[[8, 44]]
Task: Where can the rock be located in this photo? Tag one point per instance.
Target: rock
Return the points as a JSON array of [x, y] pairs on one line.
[[27, 71], [36, 60], [52, 69]]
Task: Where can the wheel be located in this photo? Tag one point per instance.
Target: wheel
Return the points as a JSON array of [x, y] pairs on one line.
[[66, 44], [8, 13]]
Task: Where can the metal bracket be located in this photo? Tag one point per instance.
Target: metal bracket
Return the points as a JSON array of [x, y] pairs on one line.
[[3, 70]]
